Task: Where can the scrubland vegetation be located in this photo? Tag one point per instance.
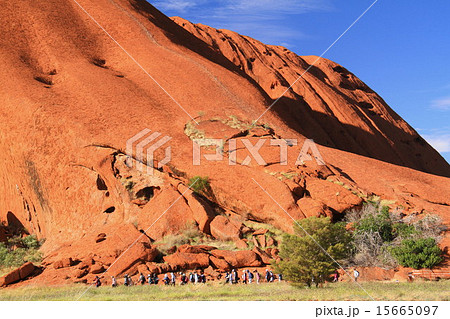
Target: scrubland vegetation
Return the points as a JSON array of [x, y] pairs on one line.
[[372, 236], [18, 250]]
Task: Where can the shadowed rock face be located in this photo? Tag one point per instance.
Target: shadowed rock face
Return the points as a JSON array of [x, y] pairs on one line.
[[328, 103], [71, 98]]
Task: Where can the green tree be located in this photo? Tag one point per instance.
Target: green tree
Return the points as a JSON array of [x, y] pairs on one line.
[[303, 260], [417, 253]]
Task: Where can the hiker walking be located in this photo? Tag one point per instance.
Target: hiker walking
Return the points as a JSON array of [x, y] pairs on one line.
[[227, 277], [113, 282], [250, 276], [280, 277], [166, 279], [126, 280], [172, 279], [267, 276], [183, 278], [150, 280], [356, 274], [319, 282], [271, 276], [244, 276], [142, 279], [336, 276], [235, 276], [155, 279], [97, 281], [196, 278], [258, 276], [203, 278], [191, 278]]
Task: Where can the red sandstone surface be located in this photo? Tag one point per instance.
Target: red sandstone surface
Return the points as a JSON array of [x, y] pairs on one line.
[[71, 98]]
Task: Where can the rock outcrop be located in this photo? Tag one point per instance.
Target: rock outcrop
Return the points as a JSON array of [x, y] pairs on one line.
[[18, 274], [72, 99]]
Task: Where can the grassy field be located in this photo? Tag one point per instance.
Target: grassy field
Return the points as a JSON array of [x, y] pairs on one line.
[[214, 291]]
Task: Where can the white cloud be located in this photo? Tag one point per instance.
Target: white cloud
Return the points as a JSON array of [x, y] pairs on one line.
[[441, 142], [175, 5], [441, 104], [260, 19], [275, 6]]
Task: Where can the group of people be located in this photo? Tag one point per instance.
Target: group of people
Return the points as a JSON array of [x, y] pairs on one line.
[[248, 277], [153, 279], [193, 277], [231, 277], [170, 279]]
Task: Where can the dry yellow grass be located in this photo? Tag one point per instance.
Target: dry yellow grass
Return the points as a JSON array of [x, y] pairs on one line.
[[214, 291]]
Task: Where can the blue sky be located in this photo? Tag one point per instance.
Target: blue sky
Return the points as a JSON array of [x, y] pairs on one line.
[[399, 48]]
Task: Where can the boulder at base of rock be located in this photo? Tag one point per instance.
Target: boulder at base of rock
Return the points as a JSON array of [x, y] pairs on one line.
[[238, 259], [194, 249], [271, 241], [261, 231], [63, 263], [163, 268], [274, 252], [79, 273], [140, 252], [223, 229], [202, 212], [403, 274], [333, 195], [313, 208], [97, 269], [262, 241], [184, 261], [241, 244], [265, 257], [219, 263], [153, 268], [17, 274]]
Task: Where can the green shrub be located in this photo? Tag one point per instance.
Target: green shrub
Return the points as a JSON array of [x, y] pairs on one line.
[[200, 184], [403, 230], [377, 223], [17, 251], [303, 260], [417, 253]]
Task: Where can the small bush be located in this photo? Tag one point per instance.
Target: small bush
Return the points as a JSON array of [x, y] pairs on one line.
[[370, 250], [191, 235], [193, 132], [17, 251], [417, 253], [188, 235], [430, 226], [379, 222], [191, 231], [200, 184], [403, 230]]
